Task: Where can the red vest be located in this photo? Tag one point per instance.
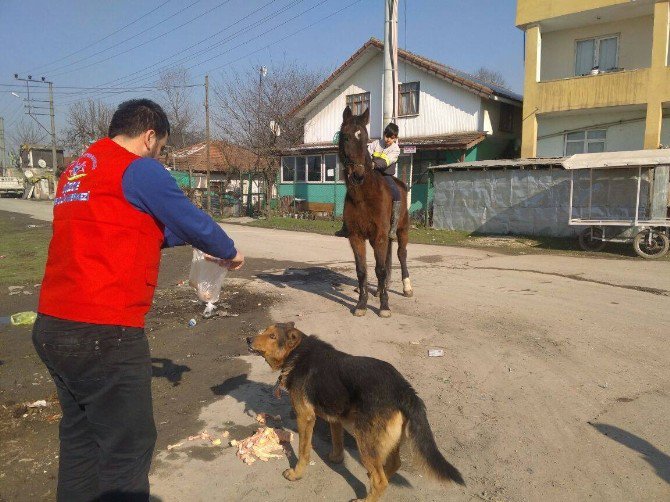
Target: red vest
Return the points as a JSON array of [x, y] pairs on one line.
[[104, 253]]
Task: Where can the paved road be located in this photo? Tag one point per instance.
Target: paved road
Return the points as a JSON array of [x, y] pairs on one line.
[[554, 384]]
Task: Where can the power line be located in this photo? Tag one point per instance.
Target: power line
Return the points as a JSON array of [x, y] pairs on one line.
[[100, 40], [155, 73], [139, 45], [124, 77]]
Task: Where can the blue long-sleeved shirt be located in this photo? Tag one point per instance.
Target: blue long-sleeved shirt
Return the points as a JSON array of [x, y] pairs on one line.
[[149, 187]]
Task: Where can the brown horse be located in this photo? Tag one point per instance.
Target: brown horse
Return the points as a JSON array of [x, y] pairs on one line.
[[367, 213]]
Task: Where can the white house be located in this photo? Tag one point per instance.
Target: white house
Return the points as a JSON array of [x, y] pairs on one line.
[[445, 115]]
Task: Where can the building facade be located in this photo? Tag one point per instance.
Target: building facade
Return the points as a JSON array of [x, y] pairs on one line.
[[444, 116], [597, 76]]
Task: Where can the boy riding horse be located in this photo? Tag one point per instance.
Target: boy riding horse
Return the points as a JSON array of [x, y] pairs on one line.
[[385, 160]]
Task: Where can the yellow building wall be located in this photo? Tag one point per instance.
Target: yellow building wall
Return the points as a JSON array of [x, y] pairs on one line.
[[559, 47], [532, 11]]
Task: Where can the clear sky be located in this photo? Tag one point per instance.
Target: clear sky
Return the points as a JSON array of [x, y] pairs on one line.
[[62, 40]]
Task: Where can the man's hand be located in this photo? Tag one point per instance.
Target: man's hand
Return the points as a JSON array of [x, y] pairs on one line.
[[235, 263]]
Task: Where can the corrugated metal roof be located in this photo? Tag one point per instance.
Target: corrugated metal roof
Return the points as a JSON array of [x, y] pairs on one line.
[[605, 160], [636, 158], [452, 141], [445, 72]]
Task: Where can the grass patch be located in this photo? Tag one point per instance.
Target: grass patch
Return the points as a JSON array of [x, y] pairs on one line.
[[24, 249]]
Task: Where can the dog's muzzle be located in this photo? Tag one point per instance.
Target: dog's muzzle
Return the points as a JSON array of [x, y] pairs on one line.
[[251, 349]]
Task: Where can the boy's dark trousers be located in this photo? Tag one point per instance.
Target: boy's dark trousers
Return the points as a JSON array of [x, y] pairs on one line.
[[107, 433]]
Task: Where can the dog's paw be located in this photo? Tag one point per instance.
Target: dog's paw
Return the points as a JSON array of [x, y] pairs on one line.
[[291, 475], [336, 458]]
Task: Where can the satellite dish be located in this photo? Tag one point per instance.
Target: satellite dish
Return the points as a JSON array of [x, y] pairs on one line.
[[42, 163], [275, 128], [28, 173]]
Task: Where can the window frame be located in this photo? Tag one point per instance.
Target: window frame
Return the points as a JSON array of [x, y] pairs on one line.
[[584, 141], [418, 98], [320, 180], [596, 51], [282, 180], [508, 108], [325, 167], [366, 94]]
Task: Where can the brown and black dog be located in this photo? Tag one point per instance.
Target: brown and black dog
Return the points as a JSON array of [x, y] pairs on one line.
[[365, 396]]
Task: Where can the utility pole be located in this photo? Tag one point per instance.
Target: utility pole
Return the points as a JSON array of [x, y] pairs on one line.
[[207, 142], [31, 107], [390, 101], [3, 148]]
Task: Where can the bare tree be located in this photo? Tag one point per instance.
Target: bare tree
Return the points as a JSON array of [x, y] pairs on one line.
[[27, 133], [176, 99], [245, 107], [87, 122], [491, 77]]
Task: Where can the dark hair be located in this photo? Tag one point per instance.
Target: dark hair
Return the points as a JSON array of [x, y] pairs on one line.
[[136, 116], [391, 130]]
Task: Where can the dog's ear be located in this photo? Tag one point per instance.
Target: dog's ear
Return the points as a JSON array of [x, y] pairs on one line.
[[293, 337]]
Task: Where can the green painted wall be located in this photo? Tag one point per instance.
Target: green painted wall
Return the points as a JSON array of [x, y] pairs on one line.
[[316, 192]]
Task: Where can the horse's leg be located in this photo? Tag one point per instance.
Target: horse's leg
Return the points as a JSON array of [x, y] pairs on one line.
[[389, 264], [402, 257], [358, 247], [381, 247]]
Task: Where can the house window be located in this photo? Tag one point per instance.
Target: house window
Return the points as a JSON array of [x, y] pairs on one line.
[[601, 53], [408, 102], [331, 168], [300, 168], [314, 168], [287, 169], [358, 102], [506, 118], [592, 141]]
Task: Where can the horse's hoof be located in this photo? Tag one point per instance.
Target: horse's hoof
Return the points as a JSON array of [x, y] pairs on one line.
[[360, 312], [384, 313], [408, 294]]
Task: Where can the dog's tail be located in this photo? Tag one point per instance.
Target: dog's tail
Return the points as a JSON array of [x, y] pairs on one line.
[[421, 436]]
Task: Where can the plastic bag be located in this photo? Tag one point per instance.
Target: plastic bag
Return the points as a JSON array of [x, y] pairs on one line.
[[207, 278], [23, 318]]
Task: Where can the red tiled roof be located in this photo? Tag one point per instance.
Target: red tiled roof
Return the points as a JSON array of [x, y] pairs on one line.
[[223, 156], [450, 74]]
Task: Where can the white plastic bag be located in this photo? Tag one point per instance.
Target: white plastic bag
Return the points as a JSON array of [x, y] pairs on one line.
[[207, 278]]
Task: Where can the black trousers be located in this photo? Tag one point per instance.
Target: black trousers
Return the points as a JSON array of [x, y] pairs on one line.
[[107, 433]]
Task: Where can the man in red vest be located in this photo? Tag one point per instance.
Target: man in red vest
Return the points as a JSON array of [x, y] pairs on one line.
[[115, 208]]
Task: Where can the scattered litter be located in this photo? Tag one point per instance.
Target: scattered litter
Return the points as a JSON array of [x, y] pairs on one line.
[[261, 445], [414, 343], [225, 313], [192, 323], [225, 434], [262, 418], [209, 309], [172, 446], [23, 318], [182, 284], [26, 292], [435, 353], [34, 226], [15, 290], [42, 403], [259, 304], [203, 435], [216, 442], [2, 256], [311, 462], [603, 386]]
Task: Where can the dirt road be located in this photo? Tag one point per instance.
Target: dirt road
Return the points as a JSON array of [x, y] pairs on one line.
[[554, 384]]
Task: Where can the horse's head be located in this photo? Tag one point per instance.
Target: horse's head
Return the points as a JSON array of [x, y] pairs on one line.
[[354, 145]]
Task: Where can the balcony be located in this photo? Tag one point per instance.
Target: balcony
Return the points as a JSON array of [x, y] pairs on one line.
[[594, 91], [564, 13]]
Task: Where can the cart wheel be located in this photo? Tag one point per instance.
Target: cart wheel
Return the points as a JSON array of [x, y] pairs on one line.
[[651, 244], [591, 239]]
